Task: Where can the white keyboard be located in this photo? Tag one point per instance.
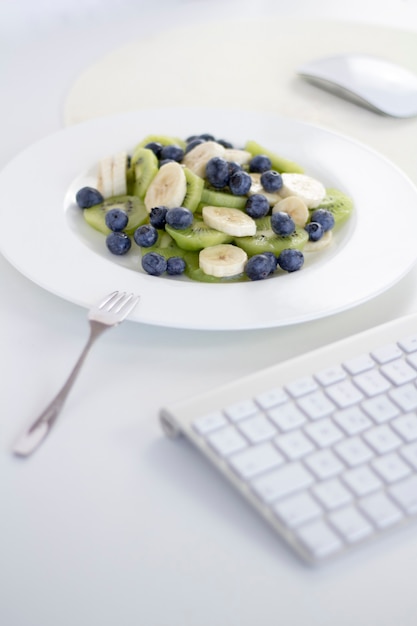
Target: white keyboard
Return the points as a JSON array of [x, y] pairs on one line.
[[324, 446]]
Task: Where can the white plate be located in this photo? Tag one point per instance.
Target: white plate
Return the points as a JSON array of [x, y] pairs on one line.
[[48, 242]]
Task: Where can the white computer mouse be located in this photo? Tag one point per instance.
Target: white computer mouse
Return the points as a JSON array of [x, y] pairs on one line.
[[368, 80]]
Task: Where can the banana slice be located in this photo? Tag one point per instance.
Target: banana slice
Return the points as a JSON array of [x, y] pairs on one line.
[[105, 177], [295, 207], [309, 189], [222, 260], [197, 158], [119, 174], [323, 242], [111, 180], [168, 188], [230, 221], [256, 187], [237, 156]]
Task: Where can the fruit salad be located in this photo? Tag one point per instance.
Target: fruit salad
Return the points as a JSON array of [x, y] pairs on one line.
[[210, 210]]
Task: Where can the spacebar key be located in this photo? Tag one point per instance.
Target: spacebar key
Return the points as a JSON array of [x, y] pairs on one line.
[[281, 482]]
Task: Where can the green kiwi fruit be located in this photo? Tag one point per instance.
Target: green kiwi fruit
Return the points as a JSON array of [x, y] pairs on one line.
[[280, 164], [265, 240], [195, 186], [146, 166], [337, 203], [197, 236], [193, 271], [95, 216], [221, 198], [165, 245]]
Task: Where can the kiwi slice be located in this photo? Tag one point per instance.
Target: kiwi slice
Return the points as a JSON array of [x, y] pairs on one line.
[[193, 271], [165, 140], [337, 203], [280, 164], [197, 236], [95, 216], [265, 240], [220, 198], [146, 166], [195, 186], [165, 245]]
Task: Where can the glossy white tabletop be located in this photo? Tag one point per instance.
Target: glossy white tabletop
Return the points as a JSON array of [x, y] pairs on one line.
[[110, 523]]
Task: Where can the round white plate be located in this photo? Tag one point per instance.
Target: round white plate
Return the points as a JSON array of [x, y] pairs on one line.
[[48, 241]]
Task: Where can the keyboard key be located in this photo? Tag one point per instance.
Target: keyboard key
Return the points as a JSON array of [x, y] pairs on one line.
[[391, 467], [354, 451], [409, 344], [344, 394], [380, 408], [319, 539], [256, 459], [405, 396], [294, 445], [297, 509], [316, 405], [207, 423], [399, 372], [386, 353], [287, 416], [381, 510], [324, 464], [359, 364], [405, 494], [257, 428], [282, 482], [226, 441], [409, 453], [352, 420], [331, 375], [362, 480], [382, 439], [351, 524], [271, 398], [324, 432], [372, 383], [301, 386], [241, 410], [332, 493], [406, 426]]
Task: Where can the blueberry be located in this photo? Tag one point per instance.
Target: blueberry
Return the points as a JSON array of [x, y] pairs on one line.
[[240, 183], [154, 263], [273, 261], [234, 167], [217, 172], [323, 217], [257, 206], [173, 152], [315, 231], [260, 163], [224, 143], [207, 137], [164, 161], [282, 224], [271, 181], [157, 216], [179, 218], [193, 143], [116, 220], [258, 267], [88, 196], [175, 266], [145, 236], [291, 260], [155, 146], [118, 243]]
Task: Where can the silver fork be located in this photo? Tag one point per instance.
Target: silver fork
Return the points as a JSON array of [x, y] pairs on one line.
[[110, 312]]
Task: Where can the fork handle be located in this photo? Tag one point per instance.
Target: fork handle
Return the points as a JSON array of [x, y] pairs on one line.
[[36, 433]]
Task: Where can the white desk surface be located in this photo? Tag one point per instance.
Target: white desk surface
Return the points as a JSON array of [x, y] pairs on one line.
[[109, 523]]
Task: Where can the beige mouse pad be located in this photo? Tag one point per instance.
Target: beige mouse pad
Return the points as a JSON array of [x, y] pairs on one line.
[[249, 64]]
